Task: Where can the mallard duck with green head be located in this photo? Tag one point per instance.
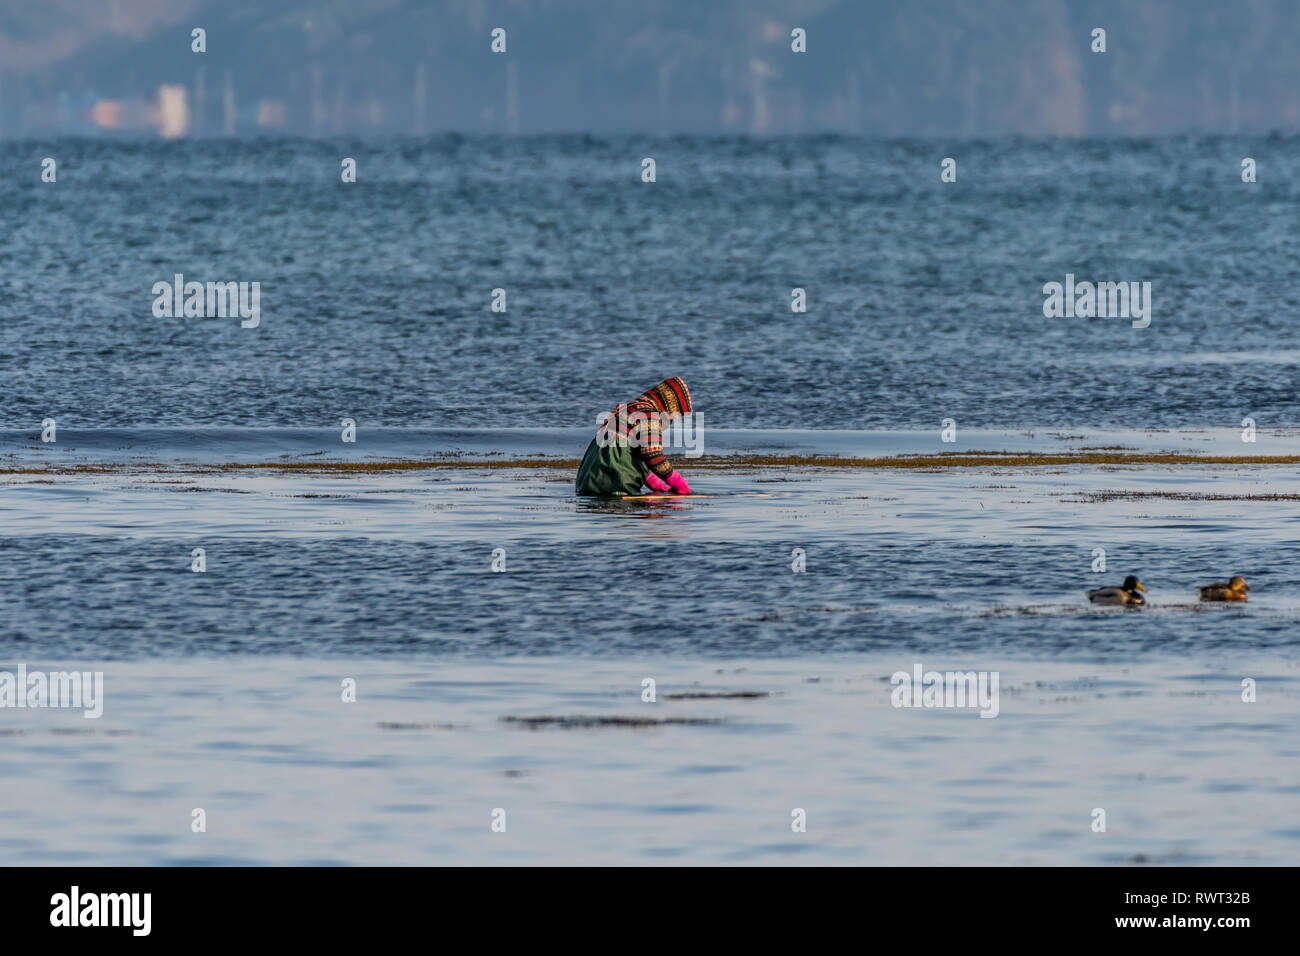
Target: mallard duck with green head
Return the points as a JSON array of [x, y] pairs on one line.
[[1126, 593], [1234, 590]]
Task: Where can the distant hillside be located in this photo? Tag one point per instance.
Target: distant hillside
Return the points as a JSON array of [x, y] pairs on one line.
[[924, 67]]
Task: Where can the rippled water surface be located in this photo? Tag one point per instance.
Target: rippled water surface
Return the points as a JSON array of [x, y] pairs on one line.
[[924, 298], [412, 772], [460, 597]]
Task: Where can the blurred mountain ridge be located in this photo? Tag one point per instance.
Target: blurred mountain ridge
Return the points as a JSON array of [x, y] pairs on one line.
[[932, 68]]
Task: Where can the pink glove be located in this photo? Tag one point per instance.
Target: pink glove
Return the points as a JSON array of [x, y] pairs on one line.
[[678, 484], [655, 483]]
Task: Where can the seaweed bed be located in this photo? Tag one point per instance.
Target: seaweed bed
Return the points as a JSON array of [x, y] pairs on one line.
[[1099, 497], [954, 459], [582, 720]]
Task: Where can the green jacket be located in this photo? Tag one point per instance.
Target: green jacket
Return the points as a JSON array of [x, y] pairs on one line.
[[610, 472]]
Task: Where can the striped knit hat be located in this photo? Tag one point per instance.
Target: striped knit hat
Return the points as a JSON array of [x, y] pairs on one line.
[[670, 396]]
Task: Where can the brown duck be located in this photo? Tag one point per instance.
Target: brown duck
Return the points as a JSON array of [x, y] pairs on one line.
[[1234, 590]]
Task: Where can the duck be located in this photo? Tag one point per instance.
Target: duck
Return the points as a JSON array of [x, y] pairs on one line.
[[1126, 593], [1234, 590]]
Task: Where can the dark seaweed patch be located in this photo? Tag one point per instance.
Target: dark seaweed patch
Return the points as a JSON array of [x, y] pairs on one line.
[[569, 722]]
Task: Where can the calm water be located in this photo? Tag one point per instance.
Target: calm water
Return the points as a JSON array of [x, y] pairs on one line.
[[222, 688], [412, 771]]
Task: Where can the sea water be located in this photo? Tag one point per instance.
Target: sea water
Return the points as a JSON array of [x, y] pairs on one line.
[[458, 600]]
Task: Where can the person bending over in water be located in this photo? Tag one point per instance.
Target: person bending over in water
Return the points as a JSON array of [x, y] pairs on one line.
[[628, 451]]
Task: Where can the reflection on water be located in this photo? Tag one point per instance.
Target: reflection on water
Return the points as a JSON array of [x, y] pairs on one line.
[[633, 508]]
